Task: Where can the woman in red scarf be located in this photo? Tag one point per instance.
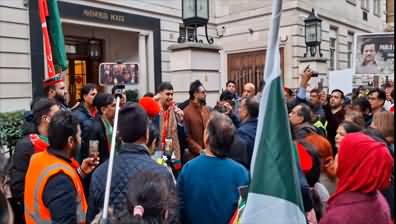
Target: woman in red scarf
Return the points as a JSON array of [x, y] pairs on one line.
[[364, 168]]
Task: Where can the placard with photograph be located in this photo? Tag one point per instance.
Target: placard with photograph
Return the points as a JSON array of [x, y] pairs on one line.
[[114, 73], [373, 58]]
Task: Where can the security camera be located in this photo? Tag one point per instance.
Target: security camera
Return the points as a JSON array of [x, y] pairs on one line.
[[220, 31]]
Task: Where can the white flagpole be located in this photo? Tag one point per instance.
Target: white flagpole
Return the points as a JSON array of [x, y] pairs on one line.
[[110, 164]]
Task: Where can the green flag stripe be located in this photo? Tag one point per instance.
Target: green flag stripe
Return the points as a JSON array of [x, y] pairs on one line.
[[275, 167], [56, 36]]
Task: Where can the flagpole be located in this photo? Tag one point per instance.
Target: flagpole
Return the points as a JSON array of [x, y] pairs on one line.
[[110, 164], [273, 39], [271, 62], [274, 190]]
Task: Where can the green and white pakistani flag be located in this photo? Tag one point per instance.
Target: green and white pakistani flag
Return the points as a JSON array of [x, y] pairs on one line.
[[274, 193]]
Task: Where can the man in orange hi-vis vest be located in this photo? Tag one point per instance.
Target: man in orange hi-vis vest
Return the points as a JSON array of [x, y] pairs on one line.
[[53, 190]]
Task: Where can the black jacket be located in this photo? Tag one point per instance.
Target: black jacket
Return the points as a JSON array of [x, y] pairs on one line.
[[82, 113], [247, 132], [239, 152], [130, 160], [95, 130], [20, 162], [334, 120]]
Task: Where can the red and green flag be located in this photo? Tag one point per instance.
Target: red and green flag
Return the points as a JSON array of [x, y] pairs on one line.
[[274, 192], [54, 43]]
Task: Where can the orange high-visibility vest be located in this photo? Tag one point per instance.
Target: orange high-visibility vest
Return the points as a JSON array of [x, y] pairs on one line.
[[42, 166]]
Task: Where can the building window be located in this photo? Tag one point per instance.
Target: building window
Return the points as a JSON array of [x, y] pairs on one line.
[[333, 49], [365, 5], [377, 7], [365, 16], [350, 50], [332, 53]]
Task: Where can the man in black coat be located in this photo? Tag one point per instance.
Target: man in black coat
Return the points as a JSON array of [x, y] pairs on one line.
[[42, 112], [100, 128], [86, 110], [248, 113]]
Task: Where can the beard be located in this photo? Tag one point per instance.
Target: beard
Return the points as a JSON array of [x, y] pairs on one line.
[[334, 105], [202, 101], [61, 99], [76, 151]]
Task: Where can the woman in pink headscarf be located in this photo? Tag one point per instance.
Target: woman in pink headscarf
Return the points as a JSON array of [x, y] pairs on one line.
[[364, 168]]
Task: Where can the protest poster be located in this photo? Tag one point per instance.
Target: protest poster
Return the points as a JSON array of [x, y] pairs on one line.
[[373, 59]]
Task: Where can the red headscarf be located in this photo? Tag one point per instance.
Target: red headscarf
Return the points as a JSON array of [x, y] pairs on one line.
[[364, 164]]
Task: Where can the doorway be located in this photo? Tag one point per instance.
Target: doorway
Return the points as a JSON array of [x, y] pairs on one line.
[[84, 56], [249, 67]]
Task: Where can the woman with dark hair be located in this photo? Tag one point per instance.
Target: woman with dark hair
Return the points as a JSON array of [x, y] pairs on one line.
[[150, 200], [364, 168], [384, 123], [327, 164], [345, 128], [362, 105]]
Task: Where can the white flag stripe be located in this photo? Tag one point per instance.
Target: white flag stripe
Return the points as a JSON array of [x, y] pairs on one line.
[[272, 211]]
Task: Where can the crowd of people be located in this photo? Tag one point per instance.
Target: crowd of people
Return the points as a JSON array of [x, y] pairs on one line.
[[186, 162]]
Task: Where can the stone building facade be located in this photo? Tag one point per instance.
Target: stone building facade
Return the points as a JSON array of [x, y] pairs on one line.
[[142, 31]]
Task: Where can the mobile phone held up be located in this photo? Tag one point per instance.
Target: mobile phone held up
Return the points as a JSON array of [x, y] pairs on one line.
[[314, 73]]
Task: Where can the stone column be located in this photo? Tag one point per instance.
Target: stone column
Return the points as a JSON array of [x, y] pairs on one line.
[[143, 76], [150, 63], [191, 61]]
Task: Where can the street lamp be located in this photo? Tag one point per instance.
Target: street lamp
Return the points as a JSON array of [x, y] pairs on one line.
[[313, 34], [195, 14]]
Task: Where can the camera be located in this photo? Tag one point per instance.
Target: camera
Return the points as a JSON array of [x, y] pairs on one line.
[[314, 74]]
